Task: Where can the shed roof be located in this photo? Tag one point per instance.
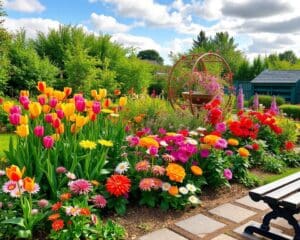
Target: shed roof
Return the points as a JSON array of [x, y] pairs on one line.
[[277, 76]]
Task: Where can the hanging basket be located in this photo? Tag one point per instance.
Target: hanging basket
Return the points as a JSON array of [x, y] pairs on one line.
[[197, 97]]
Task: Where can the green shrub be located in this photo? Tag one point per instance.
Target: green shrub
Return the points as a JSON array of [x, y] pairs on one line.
[[272, 164], [292, 111], [266, 100], [291, 158]]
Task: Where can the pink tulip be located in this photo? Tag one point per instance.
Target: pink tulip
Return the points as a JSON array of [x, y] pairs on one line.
[[15, 109], [39, 131], [48, 142], [52, 102], [80, 105], [56, 123], [48, 118], [42, 100], [15, 118], [96, 107], [60, 113], [24, 100]]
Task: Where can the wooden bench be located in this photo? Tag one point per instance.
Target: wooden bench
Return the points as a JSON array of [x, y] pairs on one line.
[[283, 197]]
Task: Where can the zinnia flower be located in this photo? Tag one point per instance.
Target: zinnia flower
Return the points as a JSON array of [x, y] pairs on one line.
[[65, 196], [86, 144], [194, 200], [85, 212], [158, 170], [289, 145], [165, 186], [122, 167], [227, 174], [243, 152], [204, 153], [57, 225], [99, 201], [173, 190], [196, 170], [152, 151], [191, 187], [183, 190], [148, 142], [54, 216], [175, 172], [233, 142], [72, 211], [43, 203], [118, 185], [142, 166], [56, 206], [70, 175], [61, 170], [211, 139], [221, 144], [146, 184], [221, 127], [80, 186]]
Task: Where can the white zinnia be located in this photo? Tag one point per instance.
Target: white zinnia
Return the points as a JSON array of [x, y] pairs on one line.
[[193, 133], [183, 190], [201, 129], [165, 186], [122, 167], [194, 200], [191, 187], [191, 141], [163, 143], [70, 175]]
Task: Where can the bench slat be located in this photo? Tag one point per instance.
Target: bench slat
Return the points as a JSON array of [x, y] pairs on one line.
[[284, 191], [258, 193], [292, 201]]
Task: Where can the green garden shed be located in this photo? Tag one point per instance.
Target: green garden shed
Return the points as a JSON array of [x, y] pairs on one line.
[[283, 83]]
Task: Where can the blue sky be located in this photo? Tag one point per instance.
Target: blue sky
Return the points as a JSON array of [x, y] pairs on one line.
[[259, 27]]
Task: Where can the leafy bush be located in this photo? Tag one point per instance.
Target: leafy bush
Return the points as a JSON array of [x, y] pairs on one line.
[[292, 111], [266, 100], [272, 164], [291, 158]]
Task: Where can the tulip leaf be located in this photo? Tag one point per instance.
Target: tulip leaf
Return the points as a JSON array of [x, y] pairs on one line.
[[16, 221]]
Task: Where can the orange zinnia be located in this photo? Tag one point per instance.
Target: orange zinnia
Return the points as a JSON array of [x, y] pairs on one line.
[[54, 216], [65, 196], [233, 142], [211, 139], [243, 152], [175, 172], [173, 190], [196, 170], [148, 142], [58, 225], [85, 212], [56, 206]]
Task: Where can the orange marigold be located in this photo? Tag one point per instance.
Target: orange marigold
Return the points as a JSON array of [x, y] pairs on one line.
[[173, 190], [196, 170], [148, 142], [118, 185], [233, 142], [211, 139], [58, 225], [175, 172], [243, 152], [54, 216]]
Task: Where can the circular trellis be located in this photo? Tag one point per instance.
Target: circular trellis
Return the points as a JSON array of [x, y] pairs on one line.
[[186, 91]]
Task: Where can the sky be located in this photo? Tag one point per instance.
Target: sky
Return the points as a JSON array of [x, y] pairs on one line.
[[258, 26]]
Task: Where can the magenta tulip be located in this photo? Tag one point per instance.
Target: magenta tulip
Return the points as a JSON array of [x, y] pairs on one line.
[[15, 118], [48, 142], [39, 131]]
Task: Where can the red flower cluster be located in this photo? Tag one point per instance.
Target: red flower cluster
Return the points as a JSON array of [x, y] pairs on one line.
[[215, 114], [267, 119], [118, 185], [244, 128], [289, 145]]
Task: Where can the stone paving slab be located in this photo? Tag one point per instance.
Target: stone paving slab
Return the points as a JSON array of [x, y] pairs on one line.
[[240, 230], [223, 237], [247, 201], [284, 223], [162, 234], [232, 212], [200, 225]]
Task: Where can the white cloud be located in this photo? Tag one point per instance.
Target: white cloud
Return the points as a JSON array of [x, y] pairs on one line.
[[27, 6], [107, 24], [31, 25]]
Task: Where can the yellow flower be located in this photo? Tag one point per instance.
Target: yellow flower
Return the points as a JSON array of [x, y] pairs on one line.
[[86, 144], [102, 93], [46, 108], [95, 183], [175, 172], [41, 86], [59, 95], [205, 146], [233, 142], [138, 119], [80, 121], [211, 139], [67, 91], [106, 143], [24, 93], [35, 109], [22, 130], [7, 106], [24, 120], [196, 170], [69, 109], [49, 91], [148, 142], [243, 152], [106, 110], [55, 137], [123, 101], [94, 93]]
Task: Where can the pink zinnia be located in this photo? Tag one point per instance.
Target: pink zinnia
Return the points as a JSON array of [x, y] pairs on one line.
[[61, 170], [99, 201], [221, 144], [221, 127], [43, 203], [204, 153], [80, 186], [168, 157], [227, 174], [157, 183], [142, 166], [152, 151], [158, 170], [146, 184]]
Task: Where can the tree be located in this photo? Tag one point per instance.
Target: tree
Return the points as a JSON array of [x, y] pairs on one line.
[[288, 56], [258, 66], [151, 55], [244, 72], [200, 41]]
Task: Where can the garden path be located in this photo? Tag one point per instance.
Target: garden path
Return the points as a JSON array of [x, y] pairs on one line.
[[224, 222]]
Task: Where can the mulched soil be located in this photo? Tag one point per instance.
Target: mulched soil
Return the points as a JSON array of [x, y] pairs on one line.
[[140, 220]]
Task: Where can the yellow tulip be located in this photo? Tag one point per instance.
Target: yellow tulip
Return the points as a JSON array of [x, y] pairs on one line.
[[93, 93], [7, 106], [55, 137], [69, 109], [28, 184], [49, 91], [59, 95], [80, 121], [102, 92], [22, 130], [123, 101], [24, 120], [46, 108], [14, 173], [24, 93], [35, 109]]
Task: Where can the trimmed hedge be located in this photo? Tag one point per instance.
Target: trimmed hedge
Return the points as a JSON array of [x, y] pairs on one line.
[[266, 100], [292, 111]]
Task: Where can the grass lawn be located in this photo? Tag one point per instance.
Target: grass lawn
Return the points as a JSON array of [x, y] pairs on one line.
[[4, 142]]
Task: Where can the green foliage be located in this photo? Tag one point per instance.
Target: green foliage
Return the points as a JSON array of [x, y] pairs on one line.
[[251, 180], [290, 110], [266, 100], [288, 56], [290, 132], [291, 158], [272, 164], [151, 55], [240, 167]]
